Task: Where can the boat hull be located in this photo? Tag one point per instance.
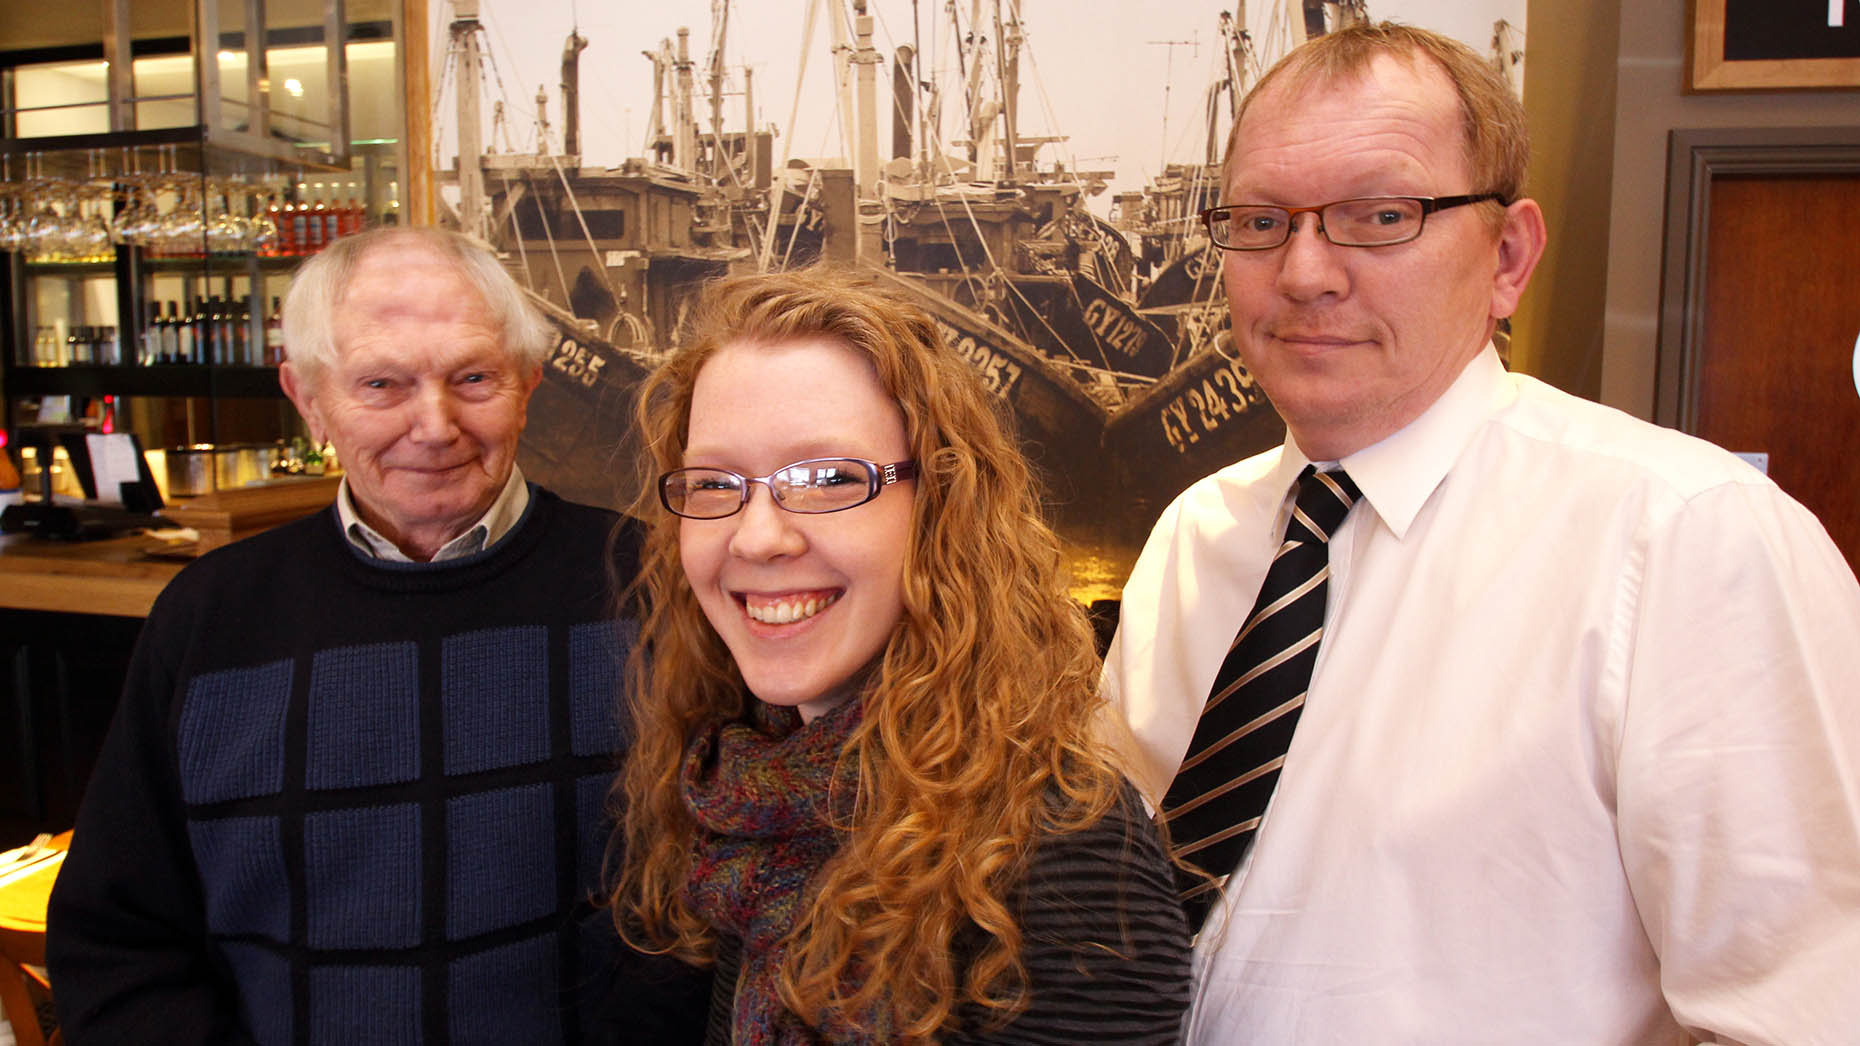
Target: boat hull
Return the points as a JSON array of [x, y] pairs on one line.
[[1205, 415], [1060, 428], [580, 440]]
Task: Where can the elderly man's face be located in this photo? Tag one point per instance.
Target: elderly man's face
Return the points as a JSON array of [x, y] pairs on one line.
[[1352, 343], [423, 403]]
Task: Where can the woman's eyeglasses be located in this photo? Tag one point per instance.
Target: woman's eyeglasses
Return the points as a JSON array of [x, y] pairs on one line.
[[812, 486]]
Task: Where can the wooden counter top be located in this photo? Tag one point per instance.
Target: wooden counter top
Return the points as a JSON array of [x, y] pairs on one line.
[[114, 576], [120, 576]]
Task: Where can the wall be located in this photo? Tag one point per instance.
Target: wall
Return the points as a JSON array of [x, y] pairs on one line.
[[1650, 102], [1569, 96]]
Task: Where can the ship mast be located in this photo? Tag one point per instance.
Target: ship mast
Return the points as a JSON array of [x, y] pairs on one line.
[[1328, 16], [775, 184], [720, 28], [655, 132], [1007, 59], [571, 91], [684, 149], [1237, 56], [866, 58], [1508, 54], [903, 102], [981, 111], [465, 29]]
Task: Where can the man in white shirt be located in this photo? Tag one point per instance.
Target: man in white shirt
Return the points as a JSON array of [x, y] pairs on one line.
[[1579, 760]]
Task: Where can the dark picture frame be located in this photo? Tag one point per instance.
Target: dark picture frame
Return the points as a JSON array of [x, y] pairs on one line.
[[1755, 45]]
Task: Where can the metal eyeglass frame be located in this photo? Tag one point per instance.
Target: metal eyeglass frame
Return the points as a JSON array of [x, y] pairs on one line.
[[877, 478], [1429, 204]]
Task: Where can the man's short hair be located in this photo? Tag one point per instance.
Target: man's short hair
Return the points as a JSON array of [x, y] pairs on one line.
[[320, 284], [1496, 136]]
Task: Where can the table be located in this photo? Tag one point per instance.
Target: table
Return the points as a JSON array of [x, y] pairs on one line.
[[24, 893]]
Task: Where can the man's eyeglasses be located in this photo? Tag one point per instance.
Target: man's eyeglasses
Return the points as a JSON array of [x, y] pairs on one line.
[[814, 485], [1373, 221]]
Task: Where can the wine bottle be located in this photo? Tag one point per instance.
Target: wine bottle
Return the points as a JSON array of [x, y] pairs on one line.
[[273, 211], [170, 336], [354, 215], [203, 333], [243, 353], [335, 219], [300, 223], [315, 226], [274, 335], [185, 330]]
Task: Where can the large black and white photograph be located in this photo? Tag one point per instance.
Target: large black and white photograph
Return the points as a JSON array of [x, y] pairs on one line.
[[1028, 173]]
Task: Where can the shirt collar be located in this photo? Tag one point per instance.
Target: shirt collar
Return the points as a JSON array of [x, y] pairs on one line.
[[497, 521], [1399, 474]]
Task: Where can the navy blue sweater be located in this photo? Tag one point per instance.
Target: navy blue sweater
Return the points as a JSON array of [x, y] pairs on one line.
[[347, 801]]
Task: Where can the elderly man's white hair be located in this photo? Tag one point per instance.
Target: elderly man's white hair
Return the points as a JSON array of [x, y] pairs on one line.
[[318, 288]]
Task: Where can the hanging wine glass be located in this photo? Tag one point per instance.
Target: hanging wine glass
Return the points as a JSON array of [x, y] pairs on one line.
[[182, 227], [264, 231], [88, 233], [45, 228], [140, 219], [225, 231], [12, 218], [12, 210]]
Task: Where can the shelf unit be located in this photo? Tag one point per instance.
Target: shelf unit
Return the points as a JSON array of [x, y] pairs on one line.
[[92, 380], [258, 93], [56, 297]]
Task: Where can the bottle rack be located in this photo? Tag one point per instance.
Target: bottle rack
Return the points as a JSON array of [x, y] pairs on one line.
[[190, 315]]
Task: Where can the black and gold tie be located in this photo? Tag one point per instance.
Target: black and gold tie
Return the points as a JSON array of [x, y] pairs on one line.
[[1220, 791]]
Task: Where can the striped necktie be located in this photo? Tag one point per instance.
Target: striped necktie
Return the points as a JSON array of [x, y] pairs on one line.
[[1220, 791]]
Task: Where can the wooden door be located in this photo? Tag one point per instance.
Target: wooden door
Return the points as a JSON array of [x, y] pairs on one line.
[[1781, 317]]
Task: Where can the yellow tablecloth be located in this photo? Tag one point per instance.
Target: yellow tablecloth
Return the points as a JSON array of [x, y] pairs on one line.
[[23, 895]]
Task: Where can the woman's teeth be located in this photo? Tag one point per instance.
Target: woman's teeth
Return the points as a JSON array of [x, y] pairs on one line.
[[788, 611]]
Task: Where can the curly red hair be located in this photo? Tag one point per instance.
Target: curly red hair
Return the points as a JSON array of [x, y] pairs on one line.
[[982, 711]]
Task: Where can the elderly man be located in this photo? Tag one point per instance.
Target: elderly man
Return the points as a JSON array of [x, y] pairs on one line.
[[354, 792], [1558, 712]]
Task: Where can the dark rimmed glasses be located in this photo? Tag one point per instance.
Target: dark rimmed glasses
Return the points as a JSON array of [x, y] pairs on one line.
[[811, 486], [1372, 221]]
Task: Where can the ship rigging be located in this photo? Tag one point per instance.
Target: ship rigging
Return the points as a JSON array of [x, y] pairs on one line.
[[1104, 339]]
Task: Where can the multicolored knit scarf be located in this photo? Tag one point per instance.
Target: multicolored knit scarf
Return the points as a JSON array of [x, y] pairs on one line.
[[759, 791]]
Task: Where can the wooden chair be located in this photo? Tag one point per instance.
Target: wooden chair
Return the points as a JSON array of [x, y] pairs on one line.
[[23, 988]]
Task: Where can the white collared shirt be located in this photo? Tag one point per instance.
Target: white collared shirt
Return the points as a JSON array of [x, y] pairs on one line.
[[497, 521], [1580, 760]]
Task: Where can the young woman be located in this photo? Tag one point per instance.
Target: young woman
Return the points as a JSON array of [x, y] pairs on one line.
[[868, 780]]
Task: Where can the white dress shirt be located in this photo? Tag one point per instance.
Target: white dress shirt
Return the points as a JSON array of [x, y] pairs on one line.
[[497, 521], [1580, 761]]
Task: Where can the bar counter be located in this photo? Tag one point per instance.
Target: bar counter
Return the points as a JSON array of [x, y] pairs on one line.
[[116, 576], [70, 615], [122, 576]]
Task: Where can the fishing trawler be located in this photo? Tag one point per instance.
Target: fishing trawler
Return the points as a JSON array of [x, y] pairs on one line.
[[997, 246], [1105, 339]]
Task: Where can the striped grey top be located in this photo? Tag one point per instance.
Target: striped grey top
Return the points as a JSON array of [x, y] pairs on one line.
[[1105, 945]]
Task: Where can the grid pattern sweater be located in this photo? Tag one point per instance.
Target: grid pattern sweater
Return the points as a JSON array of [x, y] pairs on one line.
[[353, 802]]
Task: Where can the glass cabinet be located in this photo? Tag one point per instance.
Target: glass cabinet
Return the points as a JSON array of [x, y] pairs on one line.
[[157, 192]]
